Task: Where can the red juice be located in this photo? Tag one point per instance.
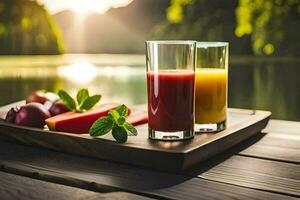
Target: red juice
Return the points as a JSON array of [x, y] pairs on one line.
[[171, 100]]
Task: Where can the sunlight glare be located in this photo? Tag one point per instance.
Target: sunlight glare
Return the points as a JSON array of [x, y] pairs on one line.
[[80, 73], [83, 7]]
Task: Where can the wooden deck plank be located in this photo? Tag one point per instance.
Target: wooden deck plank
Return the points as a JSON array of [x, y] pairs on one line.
[[279, 177], [20, 187], [275, 144], [273, 153], [281, 126], [281, 140], [60, 167]]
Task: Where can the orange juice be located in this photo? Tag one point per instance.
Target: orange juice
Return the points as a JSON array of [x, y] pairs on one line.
[[210, 95]]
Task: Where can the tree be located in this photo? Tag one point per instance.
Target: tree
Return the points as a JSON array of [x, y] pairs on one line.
[[203, 20], [274, 25], [259, 27], [27, 28]]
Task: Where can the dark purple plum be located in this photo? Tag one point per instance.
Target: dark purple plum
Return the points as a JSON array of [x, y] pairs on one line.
[[11, 115], [58, 107], [32, 115]]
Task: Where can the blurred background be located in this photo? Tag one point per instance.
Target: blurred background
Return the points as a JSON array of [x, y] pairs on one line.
[[99, 44]]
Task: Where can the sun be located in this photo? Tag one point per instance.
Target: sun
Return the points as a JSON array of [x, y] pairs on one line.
[[83, 7]]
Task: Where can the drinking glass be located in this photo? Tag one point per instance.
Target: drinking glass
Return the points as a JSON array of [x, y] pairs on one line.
[[170, 86], [211, 86]]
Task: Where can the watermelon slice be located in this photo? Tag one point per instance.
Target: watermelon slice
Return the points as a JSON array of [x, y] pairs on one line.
[[137, 117], [79, 123]]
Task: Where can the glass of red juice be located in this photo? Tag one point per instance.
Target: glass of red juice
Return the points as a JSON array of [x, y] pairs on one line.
[[170, 86]]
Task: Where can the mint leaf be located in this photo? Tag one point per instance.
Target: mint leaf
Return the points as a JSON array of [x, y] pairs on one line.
[[122, 110], [115, 121], [121, 121], [84, 101], [89, 102], [101, 126], [82, 95], [120, 134], [130, 128], [114, 114], [67, 99]]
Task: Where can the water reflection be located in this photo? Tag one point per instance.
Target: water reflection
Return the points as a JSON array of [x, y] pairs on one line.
[[270, 86], [266, 86], [116, 83], [80, 73]]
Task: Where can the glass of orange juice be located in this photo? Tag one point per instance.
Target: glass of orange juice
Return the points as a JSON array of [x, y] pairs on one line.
[[211, 82]]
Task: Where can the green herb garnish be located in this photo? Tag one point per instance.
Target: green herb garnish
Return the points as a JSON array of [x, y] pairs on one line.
[[115, 122], [83, 100]]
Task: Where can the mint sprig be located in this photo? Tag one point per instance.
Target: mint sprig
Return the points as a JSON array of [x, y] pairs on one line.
[[82, 95], [67, 99], [83, 100], [89, 102], [115, 122]]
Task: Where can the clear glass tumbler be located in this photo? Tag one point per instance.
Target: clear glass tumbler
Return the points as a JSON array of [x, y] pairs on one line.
[[211, 86], [170, 84]]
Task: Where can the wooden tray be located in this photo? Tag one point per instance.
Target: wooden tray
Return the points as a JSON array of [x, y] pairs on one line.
[[139, 150]]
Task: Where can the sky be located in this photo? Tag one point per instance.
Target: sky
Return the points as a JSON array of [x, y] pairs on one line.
[[83, 6]]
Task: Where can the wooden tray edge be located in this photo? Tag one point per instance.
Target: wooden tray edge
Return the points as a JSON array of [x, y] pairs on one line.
[[255, 126]]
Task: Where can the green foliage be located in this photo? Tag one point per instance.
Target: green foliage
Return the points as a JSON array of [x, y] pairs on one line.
[[266, 21], [27, 28], [202, 20], [175, 10], [259, 27]]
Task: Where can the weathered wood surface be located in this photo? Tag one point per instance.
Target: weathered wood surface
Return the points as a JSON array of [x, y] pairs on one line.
[[285, 127], [280, 141], [266, 175], [220, 180], [178, 187], [14, 187], [168, 156]]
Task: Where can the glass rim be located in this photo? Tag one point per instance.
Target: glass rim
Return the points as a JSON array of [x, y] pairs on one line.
[[211, 44], [170, 41]]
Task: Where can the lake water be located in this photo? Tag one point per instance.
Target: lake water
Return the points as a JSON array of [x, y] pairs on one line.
[[253, 83]]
